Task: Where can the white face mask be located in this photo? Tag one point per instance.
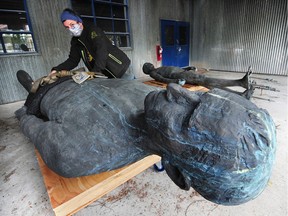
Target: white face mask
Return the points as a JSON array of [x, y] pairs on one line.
[[76, 30]]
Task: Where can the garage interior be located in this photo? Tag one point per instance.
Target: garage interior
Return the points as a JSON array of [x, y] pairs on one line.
[[220, 47]]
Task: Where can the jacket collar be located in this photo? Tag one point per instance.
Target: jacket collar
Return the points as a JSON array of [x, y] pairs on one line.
[[84, 34]]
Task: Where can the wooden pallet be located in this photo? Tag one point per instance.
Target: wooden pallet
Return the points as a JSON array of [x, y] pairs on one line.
[[187, 86], [69, 195]]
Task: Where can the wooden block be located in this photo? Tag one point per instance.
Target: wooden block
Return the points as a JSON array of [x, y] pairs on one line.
[[187, 86], [69, 195]]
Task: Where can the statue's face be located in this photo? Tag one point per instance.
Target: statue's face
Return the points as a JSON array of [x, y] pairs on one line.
[[219, 143], [169, 113]]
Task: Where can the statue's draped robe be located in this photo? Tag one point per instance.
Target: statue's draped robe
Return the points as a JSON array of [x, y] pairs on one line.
[[91, 127]]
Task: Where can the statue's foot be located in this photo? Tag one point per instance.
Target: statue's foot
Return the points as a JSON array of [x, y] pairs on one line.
[[181, 82], [25, 79], [248, 92], [20, 112], [246, 79]]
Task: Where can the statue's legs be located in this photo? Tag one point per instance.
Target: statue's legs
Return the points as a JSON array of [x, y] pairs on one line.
[[247, 93], [222, 83]]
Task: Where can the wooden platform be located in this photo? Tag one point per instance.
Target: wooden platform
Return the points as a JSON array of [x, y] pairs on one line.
[[69, 195], [187, 86]]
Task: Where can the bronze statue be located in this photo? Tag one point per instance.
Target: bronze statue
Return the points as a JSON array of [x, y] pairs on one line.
[[171, 74], [218, 142]]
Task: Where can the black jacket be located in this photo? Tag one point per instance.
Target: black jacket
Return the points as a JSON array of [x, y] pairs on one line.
[[97, 52]]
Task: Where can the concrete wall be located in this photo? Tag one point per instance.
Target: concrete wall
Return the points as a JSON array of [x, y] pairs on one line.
[[53, 42]]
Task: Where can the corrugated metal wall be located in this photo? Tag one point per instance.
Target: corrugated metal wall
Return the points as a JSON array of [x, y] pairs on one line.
[[233, 34]]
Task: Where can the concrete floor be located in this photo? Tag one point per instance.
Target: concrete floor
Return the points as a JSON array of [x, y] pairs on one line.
[[150, 193]]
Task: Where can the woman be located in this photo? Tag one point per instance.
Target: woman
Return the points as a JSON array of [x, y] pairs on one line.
[[90, 44]]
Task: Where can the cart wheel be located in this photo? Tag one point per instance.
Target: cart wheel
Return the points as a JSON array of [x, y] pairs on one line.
[[159, 167]]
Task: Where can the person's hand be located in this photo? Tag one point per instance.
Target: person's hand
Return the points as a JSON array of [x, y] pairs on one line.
[[52, 72]]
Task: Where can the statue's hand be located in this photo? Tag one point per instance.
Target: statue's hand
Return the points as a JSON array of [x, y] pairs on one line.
[[20, 112], [181, 82]]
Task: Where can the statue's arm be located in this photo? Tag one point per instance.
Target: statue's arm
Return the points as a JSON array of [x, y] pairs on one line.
[[32, 126], [160, 78], [41, 133], [46, 137]]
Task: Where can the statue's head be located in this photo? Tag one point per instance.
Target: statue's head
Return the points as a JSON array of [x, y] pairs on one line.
[[219, 143], [148, 67]]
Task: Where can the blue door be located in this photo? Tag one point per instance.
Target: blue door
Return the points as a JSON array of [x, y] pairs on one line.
[[175, 43]]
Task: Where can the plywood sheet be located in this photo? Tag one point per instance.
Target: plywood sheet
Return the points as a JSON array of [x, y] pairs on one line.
[[187, 86], [68, 195]]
